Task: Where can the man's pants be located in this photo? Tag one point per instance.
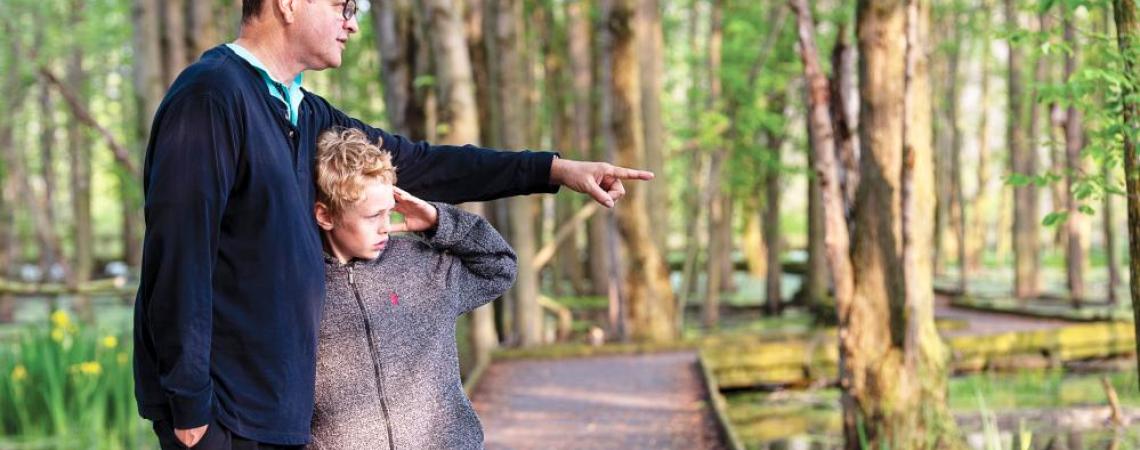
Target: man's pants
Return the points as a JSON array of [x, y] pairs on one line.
[[217, 438]]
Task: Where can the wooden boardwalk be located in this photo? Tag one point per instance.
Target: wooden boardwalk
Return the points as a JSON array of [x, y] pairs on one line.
[[651, 401]]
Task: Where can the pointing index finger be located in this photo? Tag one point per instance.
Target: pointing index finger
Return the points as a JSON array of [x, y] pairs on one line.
[[632, 174]]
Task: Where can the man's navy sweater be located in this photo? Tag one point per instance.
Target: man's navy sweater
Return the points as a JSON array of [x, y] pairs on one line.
[[230, 299]]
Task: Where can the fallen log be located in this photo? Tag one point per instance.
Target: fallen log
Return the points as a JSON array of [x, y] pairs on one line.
[[749, 362], [106, 286]]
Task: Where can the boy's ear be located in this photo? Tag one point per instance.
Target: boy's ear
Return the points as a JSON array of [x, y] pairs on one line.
[[324, 216]]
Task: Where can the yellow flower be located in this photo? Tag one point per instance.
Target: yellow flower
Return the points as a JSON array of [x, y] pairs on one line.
[[60, 319], [57, 335], [88, 368], [19, 373], [110, 341], [122, 358]]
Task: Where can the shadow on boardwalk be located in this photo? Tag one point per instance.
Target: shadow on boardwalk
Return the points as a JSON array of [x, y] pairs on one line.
[[652, 401]]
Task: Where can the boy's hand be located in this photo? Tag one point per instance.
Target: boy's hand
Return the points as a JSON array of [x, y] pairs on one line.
[[418, 214]]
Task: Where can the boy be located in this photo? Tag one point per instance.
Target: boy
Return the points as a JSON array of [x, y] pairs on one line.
[[387, 364]]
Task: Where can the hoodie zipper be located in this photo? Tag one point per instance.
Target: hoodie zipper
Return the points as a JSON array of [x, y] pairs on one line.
[[377, 366]]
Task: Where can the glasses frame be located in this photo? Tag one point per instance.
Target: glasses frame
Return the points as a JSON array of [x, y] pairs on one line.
[[350, 10]]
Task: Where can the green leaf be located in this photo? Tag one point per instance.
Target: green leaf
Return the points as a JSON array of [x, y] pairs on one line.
[[1054, 218]]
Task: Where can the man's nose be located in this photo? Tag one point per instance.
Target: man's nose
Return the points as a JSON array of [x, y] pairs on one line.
[[352, 24]]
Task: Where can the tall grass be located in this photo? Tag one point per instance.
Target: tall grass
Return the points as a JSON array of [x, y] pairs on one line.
[[64, 385]]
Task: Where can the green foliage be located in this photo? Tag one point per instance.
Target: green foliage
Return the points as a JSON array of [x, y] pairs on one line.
[[68, 385]]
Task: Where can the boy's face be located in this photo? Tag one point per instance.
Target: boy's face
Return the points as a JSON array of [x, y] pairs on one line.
[[361, 230]]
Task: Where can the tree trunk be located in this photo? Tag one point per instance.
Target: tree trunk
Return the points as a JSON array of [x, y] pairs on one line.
[[202, 31], [11, 171], [149, 84], [1108, 225], [896, 361], [398, 47], [837, 237], [601, 256], [460, 118], [772, 281], [980, 201], [651, 53], [647, 289], [818, 278], [717, 214], [51, 251], [1128, 39], [80, 148], [844, 103], [695, 199], [755, 251], [507, 16], [957, 195], [1076, 225], [1023, 161], [453, 74], [172, 38]]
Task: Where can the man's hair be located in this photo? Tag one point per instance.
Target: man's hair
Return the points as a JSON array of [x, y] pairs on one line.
[[346, 160], [250, 9]]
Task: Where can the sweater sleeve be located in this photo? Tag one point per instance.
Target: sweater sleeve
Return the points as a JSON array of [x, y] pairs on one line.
[[457, 174], [189, 175], [484, 265]]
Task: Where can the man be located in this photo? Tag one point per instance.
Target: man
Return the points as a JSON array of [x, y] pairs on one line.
[[232, 279]]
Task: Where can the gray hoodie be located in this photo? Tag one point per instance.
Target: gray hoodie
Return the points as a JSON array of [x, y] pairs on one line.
[[387, 365]]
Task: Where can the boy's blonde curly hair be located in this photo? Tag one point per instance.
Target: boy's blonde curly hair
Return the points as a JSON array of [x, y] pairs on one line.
[[346, 160]]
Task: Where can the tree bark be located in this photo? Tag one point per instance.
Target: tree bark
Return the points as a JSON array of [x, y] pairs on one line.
[[51, 250], [772, 237], [647, 289], [893, 370], [837, 237], [11, 170], [506, 16], [80, 149], [202, 30], [980, 201], [172, 29], [1128, 40], [460, 118], [1023, 161], [1076, 225], [844, 86], [818, 277], [651, 58], [717, 214], [395, 25], [149, 84], [957, 195]]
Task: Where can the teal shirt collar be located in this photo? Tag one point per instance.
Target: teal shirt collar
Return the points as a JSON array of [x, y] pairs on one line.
[[291, 95]]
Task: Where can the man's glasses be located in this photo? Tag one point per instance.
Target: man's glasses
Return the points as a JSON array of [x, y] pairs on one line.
[[349, 10]]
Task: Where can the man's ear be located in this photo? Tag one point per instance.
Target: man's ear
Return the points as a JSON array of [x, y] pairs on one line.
[[324, 216], [287, 9]]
